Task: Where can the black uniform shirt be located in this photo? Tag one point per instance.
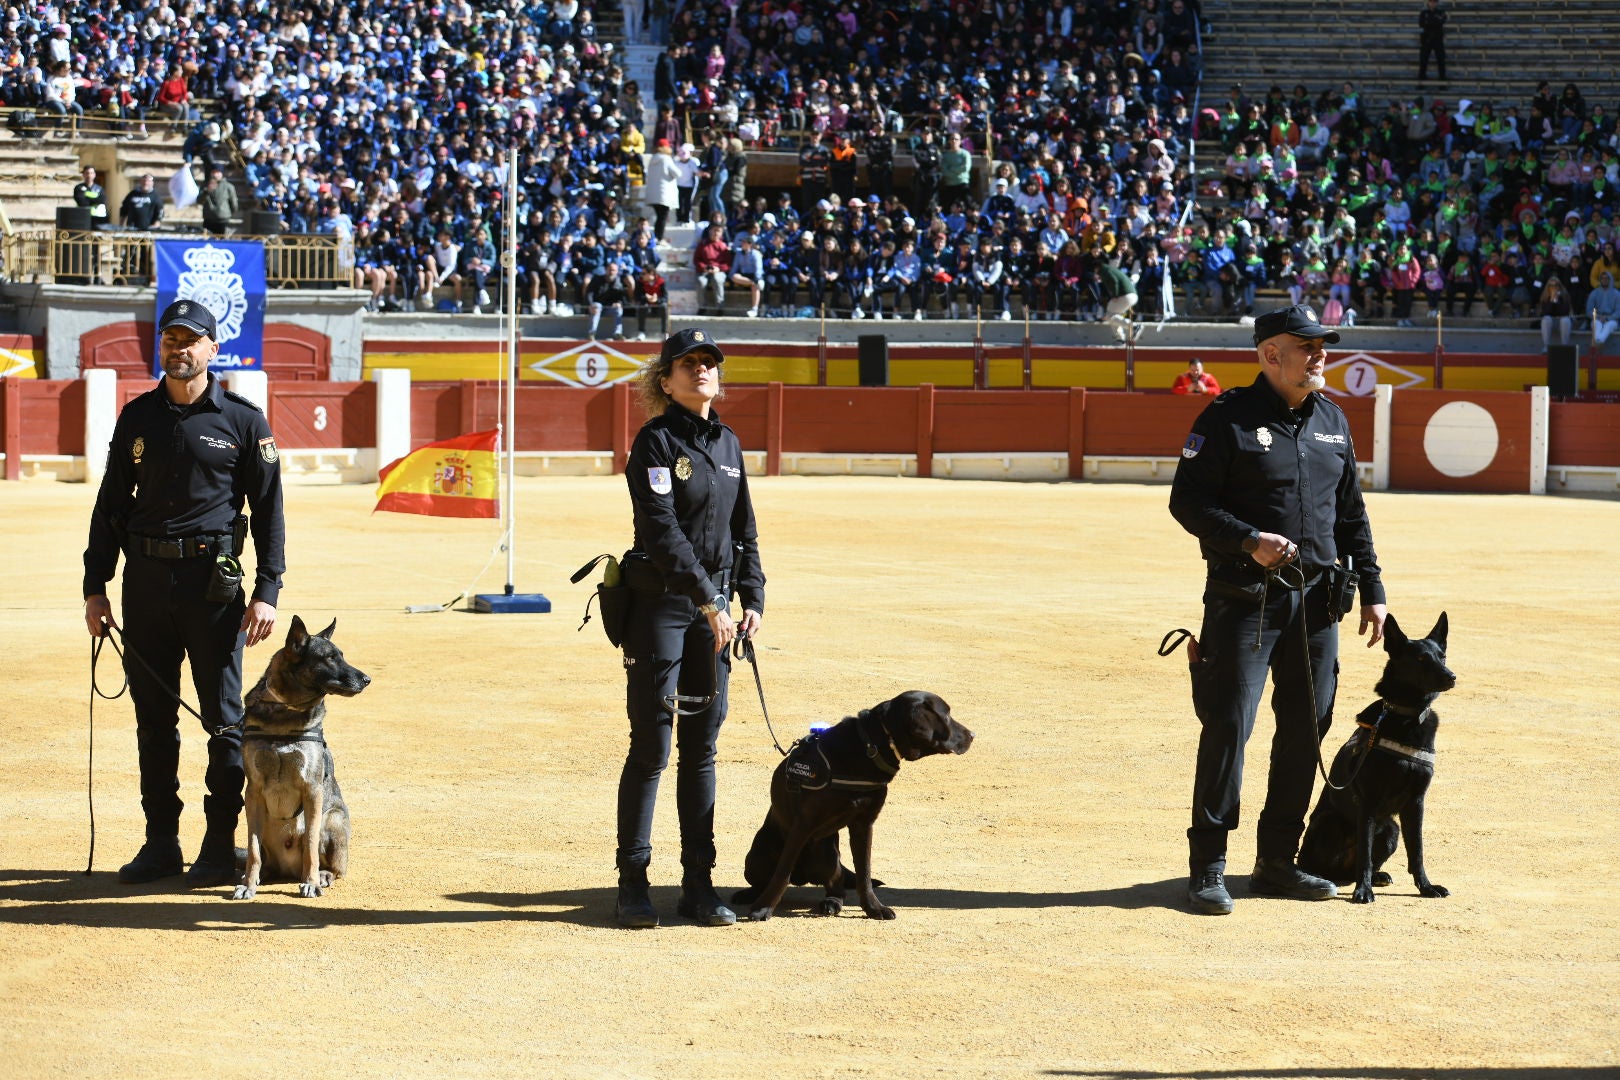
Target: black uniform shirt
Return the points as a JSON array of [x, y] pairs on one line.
[[1253, 464], [690, 498], [183, 471], [141, 209]]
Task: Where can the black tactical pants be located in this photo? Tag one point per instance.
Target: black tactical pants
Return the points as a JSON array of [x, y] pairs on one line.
[[1227, 684], [668, 650], [165, 617]]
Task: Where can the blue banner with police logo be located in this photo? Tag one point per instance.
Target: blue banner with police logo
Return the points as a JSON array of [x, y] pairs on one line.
[[227, 278]]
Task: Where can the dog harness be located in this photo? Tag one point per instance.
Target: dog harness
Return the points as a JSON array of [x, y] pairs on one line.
[[1375, 741], [808, 768]]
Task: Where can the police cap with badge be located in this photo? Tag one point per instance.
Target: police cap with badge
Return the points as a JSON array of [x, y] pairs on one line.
[[683, 342], [1298, 320], [191, 315]]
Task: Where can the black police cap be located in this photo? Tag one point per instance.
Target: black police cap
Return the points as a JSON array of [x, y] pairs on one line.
[[191, 315], [1298, 320], [682, 342]]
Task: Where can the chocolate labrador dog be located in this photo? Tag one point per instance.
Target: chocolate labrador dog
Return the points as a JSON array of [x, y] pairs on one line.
[[839, 779]]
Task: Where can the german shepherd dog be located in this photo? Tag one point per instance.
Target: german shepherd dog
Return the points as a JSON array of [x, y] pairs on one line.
[[839, 779], [1390, 759], [298, 823]]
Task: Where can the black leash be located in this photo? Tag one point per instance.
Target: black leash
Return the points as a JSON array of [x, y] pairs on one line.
[[1310, 673], [107, 629], [744, 647]]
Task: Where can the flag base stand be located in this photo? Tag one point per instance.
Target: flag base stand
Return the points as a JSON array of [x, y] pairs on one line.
[[509, 603]]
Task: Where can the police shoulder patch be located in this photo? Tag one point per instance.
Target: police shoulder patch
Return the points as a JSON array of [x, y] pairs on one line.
[[658, 479], [267, 450], [1195, 443]]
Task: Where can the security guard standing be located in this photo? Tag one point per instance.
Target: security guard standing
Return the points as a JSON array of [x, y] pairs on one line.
[[695, 542], [183, 458], [1267, 482]]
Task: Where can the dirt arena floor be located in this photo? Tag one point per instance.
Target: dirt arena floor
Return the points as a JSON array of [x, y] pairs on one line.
[[1039, 879]]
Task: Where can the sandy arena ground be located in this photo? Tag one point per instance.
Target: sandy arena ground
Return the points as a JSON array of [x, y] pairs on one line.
[[1039, 879]]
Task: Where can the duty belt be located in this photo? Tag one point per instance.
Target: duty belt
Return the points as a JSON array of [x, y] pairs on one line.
[[179, 547]]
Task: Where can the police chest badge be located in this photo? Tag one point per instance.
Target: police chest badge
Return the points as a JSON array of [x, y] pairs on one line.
[[1263, 436], [267, 450], [658, 479], [683, 468], [138, 450]]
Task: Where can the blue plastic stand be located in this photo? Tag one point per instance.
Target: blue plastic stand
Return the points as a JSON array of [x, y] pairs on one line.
[[510, 603]]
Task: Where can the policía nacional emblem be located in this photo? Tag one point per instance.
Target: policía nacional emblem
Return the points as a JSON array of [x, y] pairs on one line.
[[1264, 437], [683, 468], [267, 450], [138, 449]]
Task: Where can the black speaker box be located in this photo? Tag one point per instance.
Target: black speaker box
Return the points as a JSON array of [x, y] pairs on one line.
[[1563, 370], [873, 350]]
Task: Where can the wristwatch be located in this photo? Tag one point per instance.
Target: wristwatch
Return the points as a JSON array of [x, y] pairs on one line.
[[1251, 543], [716, 604]]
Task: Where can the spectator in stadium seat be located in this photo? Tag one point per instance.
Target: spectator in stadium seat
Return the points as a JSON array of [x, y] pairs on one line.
[[1603, 308], [956, 171], [1555, 310], [1195, 380], [747, 271], [712, 261]]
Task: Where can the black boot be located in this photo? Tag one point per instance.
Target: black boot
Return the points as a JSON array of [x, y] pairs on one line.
[[700, 903], [158, 858], [634, 908], [1280, 877], [215, 863], [1206, 891]]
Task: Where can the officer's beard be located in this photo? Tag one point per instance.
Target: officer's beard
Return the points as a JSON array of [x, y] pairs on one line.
[[184, 369], [1312, 382]]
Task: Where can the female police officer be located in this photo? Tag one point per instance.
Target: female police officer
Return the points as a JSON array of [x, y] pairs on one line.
[[694, 542]]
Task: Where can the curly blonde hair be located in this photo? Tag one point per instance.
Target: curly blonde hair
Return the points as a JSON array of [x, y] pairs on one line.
[[649, 387]]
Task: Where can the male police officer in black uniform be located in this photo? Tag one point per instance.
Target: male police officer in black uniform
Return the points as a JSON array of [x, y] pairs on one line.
[[695, 542], [183, 458], [1267, 482]]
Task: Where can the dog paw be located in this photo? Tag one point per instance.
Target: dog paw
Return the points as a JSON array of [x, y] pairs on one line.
[[326, 879], [308, 890], [879, 911], [1362, 895], [1431, 890], [830, 905], [761, 914], [244, 892], [1382, 879]]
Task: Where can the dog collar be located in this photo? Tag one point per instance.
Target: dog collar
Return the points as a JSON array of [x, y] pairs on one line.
[[259, 735]]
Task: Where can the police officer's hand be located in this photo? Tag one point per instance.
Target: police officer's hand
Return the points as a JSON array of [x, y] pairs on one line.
[[1373, 615], [98, 614], [751, 622], [257, 621], [1274, 550], [723, 628]]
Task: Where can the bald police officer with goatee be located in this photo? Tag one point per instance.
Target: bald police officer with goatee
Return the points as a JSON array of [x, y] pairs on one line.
[[1267, 483], [184, 457]]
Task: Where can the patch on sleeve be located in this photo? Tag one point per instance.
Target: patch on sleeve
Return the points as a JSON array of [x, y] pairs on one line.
[[659, 479], [1195, 443], [267, 450]]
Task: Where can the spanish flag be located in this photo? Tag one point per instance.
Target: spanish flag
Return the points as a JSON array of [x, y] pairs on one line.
[[458, 477]]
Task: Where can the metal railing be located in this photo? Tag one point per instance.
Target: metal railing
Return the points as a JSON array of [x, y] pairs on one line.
[[124, 257]]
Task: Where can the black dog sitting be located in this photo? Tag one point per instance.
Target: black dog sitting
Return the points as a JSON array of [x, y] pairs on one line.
[[1390, 760], [839, 779]]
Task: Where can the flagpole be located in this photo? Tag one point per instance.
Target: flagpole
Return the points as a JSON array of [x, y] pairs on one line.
[[511, 601], [509, 369]]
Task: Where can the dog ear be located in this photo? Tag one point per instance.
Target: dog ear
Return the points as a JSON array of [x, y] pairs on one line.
[[327, 633], [1438, 634], [1393, 638], [296, 634]]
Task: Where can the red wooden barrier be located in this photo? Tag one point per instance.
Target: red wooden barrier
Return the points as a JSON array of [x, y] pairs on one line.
[[11, 426], [1582, 433], [323, 415], [1460, 440]]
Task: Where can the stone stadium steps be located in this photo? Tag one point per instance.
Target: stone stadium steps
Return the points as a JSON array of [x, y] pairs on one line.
[[1495, 53], [36, 176]]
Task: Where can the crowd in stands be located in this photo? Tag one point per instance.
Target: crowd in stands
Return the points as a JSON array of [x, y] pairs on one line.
[[1052, 143]]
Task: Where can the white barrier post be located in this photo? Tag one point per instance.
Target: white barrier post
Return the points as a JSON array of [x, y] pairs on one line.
[[1383, 397], [253, 385], [393, 414], [100, 414], [1540, 401]]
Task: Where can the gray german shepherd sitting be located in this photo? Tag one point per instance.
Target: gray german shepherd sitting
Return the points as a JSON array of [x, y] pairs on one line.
[[298, 823]]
